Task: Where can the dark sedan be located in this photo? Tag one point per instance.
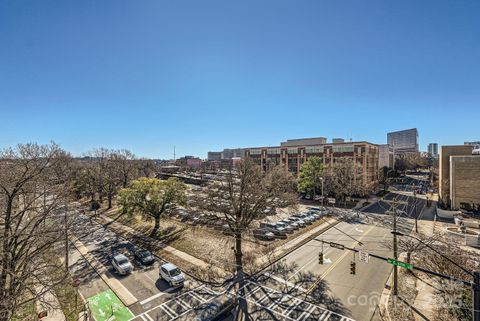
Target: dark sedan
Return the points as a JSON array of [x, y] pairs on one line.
[[144, 257]]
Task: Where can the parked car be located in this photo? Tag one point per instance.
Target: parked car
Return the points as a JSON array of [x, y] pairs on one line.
[[144, 257], [263, 234], [304, 217], [298, 221], [276, 229], [293, 224], [172, 275], [286, 226], [122, 265]]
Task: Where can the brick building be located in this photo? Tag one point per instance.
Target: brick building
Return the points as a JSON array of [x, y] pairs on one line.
[[293, 153], [459, 177]]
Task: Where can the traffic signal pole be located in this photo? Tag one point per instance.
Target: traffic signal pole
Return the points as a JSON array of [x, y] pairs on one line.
[[475, 285], [395, 249]]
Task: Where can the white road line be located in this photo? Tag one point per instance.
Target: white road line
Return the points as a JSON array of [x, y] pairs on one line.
[[325, 315], [153, 297], [149, 317], [307, 313], [301, 268], [143, 318], [197, 297], [278, 279], [292, 307], [183, 303], [165, 308]]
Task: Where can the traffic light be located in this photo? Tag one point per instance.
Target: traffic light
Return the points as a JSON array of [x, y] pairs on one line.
[[320, 258], [352, 268]]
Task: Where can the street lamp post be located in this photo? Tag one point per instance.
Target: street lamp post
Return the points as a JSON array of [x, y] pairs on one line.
[[321, 180]]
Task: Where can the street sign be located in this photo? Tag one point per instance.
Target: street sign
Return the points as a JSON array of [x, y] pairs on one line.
[[400, 263], [363, 256], [337, 246], [331, 200]]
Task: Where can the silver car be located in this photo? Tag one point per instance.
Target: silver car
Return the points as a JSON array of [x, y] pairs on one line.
[[122, 265], [286, 226]]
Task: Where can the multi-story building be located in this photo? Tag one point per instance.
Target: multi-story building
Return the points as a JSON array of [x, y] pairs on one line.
[[446, 152], [385, 156], [214, 156], [403, 141], [465, 182], [433, 150], [227, 153], [189, 161], [296, 152], [476, 147]]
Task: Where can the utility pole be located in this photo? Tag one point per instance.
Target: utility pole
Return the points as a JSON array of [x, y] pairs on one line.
[[476, 295], [415, 211], [66, 236], [395, 250]]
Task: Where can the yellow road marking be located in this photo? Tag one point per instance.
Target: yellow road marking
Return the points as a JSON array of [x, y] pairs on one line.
[[312, 287]]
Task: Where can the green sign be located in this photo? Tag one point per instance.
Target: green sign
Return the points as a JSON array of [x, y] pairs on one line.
[[400, 263], [107, 306]]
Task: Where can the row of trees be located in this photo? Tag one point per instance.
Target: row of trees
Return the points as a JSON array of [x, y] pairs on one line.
[[36, 184], [33, 190], [341, 179], [103, 172]]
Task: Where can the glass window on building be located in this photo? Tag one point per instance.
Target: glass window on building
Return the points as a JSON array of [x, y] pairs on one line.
[[343, 149], [273, 151], [292, 150], [314, 149]]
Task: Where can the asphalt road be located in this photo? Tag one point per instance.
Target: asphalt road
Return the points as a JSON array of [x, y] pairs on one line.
[[156, 299], [299, 288]]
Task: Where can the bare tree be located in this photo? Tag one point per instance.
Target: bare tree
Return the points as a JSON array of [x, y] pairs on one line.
[[242, 196], [344, 178], [32, 192], [126, 165]]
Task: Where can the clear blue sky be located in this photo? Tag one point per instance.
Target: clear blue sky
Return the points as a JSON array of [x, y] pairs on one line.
[[204, 75]]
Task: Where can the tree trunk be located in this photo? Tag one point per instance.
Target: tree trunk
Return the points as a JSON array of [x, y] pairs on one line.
[[240, 277], [157, 225], [109, 201]]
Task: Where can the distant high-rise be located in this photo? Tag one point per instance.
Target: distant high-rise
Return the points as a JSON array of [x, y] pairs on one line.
[[476, 146], [433, 150], [403, 141]]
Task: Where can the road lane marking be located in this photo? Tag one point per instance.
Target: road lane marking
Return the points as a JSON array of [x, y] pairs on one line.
[[149, 317], [153, 297], [167, 309], [312, 287], [286, 282]]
